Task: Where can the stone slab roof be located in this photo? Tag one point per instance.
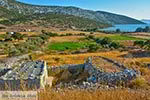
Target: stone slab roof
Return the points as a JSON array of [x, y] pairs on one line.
[[28, 70]]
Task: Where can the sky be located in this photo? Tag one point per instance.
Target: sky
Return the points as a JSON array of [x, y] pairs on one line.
[[139, 9]]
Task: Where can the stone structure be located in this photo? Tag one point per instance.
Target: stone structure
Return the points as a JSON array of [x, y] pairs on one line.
[[30, 75], [87, 76]]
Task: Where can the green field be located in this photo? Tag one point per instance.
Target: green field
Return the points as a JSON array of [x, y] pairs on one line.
[[123, 37], [66, 46]]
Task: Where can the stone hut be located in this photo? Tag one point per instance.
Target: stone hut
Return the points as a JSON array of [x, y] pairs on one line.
[[30, 75]]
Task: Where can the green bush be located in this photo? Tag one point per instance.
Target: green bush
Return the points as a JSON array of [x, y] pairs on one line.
[[108, 43], [93, 47], [139, 43], [51, 34], [17, 36], [13, 52], [104, 41], [114, 45], [91, 37], [69, 34], [143, 44], [146, 29], [82, 34], [44, 36], [118, 30]]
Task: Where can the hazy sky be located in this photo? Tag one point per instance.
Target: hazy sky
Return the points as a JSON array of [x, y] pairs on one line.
[[139, 9]]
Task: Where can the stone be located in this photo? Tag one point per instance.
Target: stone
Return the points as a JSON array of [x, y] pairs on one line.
[[33, 74]]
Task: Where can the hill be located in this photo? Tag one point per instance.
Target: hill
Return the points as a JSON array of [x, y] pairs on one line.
[[100, 16], [10, 17]]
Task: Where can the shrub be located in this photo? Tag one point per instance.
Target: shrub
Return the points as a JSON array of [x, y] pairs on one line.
[[81, 34], [17, 36], [114, 45], [8, 38], [138, 83], [93, 47], [139, 43], [91, 32], [51, 34], [108, 43], [69, 34], [13, 52], [146, 29], [143, 44], [139, 29], [44, 36], [91, 37], [104, 41], [118, 30]]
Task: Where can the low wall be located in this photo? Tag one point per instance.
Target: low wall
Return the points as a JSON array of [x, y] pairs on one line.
[[29, 84]]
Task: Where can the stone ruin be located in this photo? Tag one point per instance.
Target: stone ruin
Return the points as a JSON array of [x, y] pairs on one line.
[[30, 75], [86, 75]]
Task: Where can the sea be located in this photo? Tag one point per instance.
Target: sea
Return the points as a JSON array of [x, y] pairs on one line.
[[125, 27]]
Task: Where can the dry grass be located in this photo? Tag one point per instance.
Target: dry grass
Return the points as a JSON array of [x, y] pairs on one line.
[[79, 58], [3, 56], [66, 39], [69, 31], [74, 58], [94, 95]]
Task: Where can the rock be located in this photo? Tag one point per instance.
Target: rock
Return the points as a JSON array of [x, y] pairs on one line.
[[92, 79], [88, 67]]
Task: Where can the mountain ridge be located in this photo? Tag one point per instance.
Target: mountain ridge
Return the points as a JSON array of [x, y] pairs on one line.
[[100, 16]]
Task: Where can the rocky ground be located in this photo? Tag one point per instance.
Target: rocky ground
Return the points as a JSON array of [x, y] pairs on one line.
[[13, 61]]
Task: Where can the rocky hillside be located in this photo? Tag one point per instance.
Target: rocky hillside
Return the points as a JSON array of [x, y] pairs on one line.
[[99, 16], [10, 17]]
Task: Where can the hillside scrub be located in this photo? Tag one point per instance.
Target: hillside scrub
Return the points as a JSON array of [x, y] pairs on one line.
[[105, 42], [143, 44]]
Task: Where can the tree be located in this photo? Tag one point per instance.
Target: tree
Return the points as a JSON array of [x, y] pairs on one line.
[[139, 43], [93, 47], [147, 29], [114, 45], [105, 41], [118, 30], [139, 29], [17, 36]]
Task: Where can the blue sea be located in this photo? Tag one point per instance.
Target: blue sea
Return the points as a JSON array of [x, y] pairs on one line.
[[125, 27]]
